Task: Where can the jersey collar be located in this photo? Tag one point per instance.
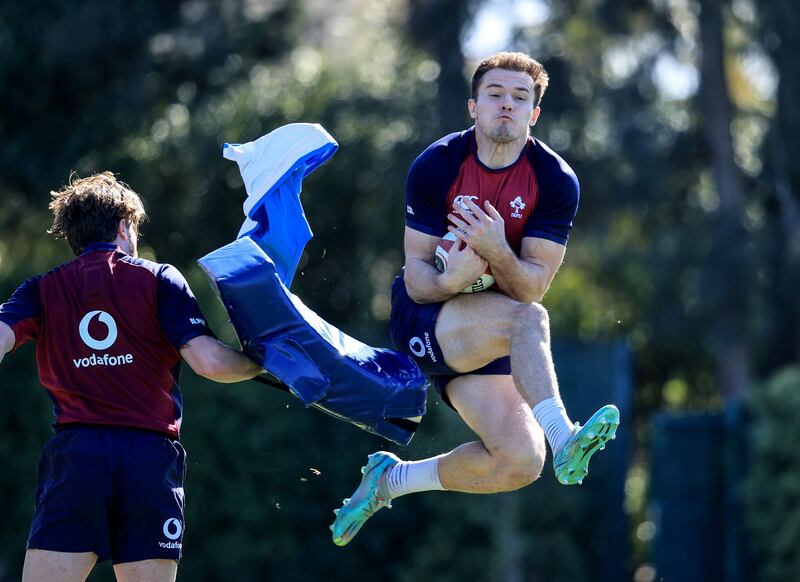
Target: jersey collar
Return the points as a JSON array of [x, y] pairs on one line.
[[473, 149], [99, 246]]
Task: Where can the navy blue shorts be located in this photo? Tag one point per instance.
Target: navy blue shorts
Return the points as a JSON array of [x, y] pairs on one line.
[[412, 329], [117, 492]]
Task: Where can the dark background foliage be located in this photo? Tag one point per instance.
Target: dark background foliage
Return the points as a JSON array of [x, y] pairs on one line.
[[679, 117]]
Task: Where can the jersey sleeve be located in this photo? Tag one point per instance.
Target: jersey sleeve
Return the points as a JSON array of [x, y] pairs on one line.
[[178, 310], [425, 201], [23, 312], [555, 208]]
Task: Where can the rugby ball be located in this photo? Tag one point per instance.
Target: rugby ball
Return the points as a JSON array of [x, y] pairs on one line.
[[440, 258]]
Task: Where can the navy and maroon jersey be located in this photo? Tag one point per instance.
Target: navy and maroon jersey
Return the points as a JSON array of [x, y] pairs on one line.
[[537, 195], [108, 328]]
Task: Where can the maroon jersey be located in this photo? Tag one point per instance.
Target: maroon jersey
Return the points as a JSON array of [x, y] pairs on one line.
[[537, 195], [108, 328]]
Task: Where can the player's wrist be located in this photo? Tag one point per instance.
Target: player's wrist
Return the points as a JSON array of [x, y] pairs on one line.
[[500, 256], [449, 283]]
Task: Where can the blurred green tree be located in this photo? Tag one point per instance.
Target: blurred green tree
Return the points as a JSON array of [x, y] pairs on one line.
[[151, 90], [771, 492]]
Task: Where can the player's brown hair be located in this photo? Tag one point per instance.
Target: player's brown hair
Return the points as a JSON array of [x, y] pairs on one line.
[[513, 62], [88, 210]]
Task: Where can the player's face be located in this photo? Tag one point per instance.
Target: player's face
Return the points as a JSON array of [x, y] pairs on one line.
[[504, 108]]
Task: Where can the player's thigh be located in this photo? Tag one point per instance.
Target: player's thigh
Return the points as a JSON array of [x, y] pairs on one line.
[[147, 571], [473, 330], [46, 566], [493, 408]]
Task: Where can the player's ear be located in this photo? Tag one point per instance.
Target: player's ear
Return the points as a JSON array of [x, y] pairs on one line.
[[471, 107], [535, 115], [122, 229]]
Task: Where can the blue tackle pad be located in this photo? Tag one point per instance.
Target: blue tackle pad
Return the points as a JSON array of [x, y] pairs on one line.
[[273, 168], [379, 390]]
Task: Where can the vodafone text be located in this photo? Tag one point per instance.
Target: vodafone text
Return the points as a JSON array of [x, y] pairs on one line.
[[104, 360], [429, 347]]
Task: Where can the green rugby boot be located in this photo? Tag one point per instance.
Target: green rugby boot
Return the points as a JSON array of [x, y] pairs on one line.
[[571, 464], [370, 496]]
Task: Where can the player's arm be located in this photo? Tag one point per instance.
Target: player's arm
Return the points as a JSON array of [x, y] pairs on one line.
[[7, 339], [21, 316], [212, 359], [424, 283], [184, 325], [525, 278], [544, 236], [426, 196], [528, 277]]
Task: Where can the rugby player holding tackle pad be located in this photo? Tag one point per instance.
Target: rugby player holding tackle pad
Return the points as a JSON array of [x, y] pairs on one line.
[[111, 331]]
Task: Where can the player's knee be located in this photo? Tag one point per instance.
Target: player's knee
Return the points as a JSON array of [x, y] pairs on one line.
[[513, 477], [532, 318], [517, 468]]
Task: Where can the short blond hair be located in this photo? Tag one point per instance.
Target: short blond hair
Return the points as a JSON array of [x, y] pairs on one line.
[[88, 210]]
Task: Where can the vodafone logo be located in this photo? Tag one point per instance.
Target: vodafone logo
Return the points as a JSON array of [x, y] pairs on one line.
[[172, 528], [86, 337], [417, 347], [100, 343]]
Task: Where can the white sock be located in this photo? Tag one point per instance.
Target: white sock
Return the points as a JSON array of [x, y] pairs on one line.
[[552, 417], [414, 476]]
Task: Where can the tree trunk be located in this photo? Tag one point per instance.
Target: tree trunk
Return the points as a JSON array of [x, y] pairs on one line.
[[437, 26], [507, 538], [781, 37], [730, 262], [731, 269]]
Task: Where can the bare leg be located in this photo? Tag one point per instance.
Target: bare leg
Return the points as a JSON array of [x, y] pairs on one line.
[[511, 452], [531, 358], [510, 455], [147, 571], [474, 330], [46, 566]]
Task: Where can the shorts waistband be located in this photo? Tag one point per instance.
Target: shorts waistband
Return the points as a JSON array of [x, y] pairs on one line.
[[57, 428]]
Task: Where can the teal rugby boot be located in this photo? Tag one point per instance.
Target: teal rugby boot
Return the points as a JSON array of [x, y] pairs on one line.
[[370, 496], [571, 464]]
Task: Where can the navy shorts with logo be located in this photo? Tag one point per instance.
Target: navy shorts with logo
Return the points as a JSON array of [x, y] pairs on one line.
[[412, 329], [117, 492]]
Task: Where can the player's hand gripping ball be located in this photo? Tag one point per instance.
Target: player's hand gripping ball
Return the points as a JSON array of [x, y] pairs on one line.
[[443, 248]]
